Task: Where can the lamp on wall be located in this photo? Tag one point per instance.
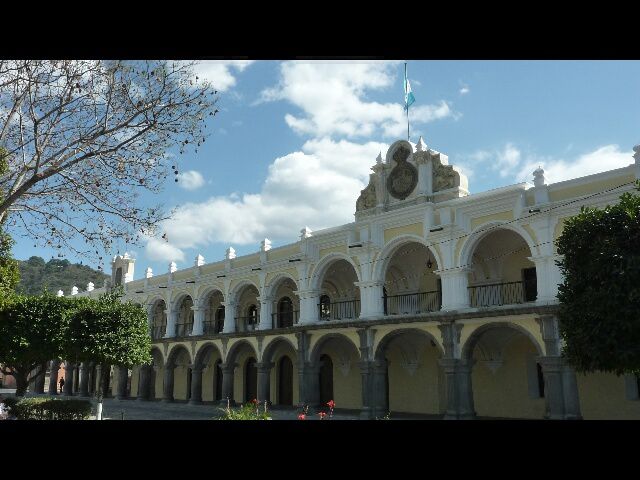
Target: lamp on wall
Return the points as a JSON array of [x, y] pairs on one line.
[[429, 263]]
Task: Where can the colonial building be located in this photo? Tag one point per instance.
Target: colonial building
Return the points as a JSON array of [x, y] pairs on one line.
[[433, 301]]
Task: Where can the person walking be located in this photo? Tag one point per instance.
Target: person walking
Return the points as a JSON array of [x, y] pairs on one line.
[[61, 382]]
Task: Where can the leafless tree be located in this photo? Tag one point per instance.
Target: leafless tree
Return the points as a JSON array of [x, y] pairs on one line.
[[85, 139]]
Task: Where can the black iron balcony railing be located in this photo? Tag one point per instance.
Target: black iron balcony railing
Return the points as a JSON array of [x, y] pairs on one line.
[[158, 332], [247, 323], [184, 329], [412, 303], [284, 319], [212, 327], [497, 294], [339, 310]]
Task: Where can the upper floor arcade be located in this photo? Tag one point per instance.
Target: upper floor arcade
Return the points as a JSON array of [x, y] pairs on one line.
[[420, 244]]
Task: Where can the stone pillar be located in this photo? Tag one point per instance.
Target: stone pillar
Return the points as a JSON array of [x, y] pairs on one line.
[[366, 371], [53, 377], [68, 378], [229, 317], [309, 384], [379, 404], [455, 294], [548, 277], [198, 321], [196, 386], [560, 383], [309, 310], [144, 382], [266, 307], [264, 381], [227, 384], [172, 317], [168, 383], [84, 380], [458, 389], [38, 384], [371, 299], [457, 373], [121, 390]]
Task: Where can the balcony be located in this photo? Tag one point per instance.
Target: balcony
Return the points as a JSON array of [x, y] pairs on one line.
[[500, 294], [349, 309], [413, 303], [210, 328], [158, 332], [184, 329], [247, 324], [285, 319]]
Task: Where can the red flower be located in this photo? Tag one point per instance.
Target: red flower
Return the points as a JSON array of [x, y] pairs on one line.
[[302, 416], [331, 403], [322, 415], [255, 400]]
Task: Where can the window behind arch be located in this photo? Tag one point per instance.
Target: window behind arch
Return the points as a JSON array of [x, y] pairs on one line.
[[219, 325], [285, 312], [325, 307], [252, 315], [119, 276]]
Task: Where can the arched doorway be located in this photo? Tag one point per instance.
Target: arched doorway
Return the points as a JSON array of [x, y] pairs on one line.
[[251, 380], [159, 323], [414, 381], [339, 296], [501, 272], [184, 323], [213, 319], [326, 379], [505, 377], [247, 317], [285, 381], [410, 286]]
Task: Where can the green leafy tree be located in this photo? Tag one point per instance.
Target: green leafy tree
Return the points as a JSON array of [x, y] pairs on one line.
[[600, 298], [9, 273], [36, 275], [108, 332], [32, 332]]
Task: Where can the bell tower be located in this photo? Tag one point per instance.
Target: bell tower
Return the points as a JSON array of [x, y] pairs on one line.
[[122, 269]]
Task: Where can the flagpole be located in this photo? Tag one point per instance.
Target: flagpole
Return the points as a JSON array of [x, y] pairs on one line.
[[405, 76]]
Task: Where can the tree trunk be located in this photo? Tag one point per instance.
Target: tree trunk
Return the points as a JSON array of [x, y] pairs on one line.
[[22, 383]]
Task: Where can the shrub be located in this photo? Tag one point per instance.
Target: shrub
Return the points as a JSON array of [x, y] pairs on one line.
[[43, 408], [9, 404], [248, 411]]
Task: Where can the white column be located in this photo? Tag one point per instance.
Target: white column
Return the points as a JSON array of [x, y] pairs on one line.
[[266, 307], [198, 321], [229, 317], [371, 299], [455, 294], [172, 316], [548, 277], [425, 175], [309, 310]]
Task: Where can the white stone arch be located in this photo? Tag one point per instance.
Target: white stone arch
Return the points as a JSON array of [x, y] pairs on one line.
[[155, 348], [476, 236], [382, 260], [207, 290], [151, 306], [271, 289], [235, 292], [324, 263], [469, 345], [178, 296], [174, 352], [271, 348]]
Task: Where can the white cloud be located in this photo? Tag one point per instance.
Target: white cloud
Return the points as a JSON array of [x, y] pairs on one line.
[[160, 250], [507, 160], [604, 158], [219, 72], [190, 180], [317, 186], [333, 99], [464, 90]]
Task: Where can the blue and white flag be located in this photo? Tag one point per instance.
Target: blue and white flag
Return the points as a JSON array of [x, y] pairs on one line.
[[408, 94]]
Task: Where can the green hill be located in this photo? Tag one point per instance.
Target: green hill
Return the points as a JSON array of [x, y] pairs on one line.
[[56, 275]]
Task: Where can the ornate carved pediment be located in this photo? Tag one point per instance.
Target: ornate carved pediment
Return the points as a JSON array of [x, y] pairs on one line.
[[404, 176], [444, 176], [367, 198]]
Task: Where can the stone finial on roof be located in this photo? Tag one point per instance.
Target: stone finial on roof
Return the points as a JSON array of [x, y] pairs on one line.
[[74, 290], [199, 260], [149, 272], [60, 293], [230, 253], [538, 177], [173, 267], [265, 245], [379, 159], [90, 286], [305, 233], [421, 146]]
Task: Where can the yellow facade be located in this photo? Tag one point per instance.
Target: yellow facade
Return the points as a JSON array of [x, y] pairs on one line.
[[413, 229]]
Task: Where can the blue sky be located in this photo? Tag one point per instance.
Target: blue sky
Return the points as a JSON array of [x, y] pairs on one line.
[[293, 142]]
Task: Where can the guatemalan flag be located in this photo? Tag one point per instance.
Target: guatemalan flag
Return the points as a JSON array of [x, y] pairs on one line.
[[408, 94]]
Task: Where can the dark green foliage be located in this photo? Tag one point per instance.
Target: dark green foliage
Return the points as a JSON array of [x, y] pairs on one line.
[[9, 272], [10, 403], [108, 331], [32, 332], [600, 297], [54, 275], [248, 411], [45, 408]]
